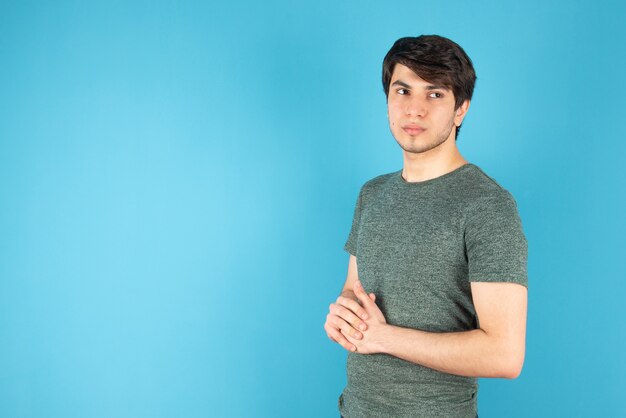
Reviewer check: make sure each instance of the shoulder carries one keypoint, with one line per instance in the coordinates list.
(481, 190)
(378, 183)
(485, 202)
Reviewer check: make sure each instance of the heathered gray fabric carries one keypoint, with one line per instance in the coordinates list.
(418, 247)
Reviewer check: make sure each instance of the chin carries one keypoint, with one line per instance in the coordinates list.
(416, 147)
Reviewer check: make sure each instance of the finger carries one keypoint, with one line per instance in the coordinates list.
(339, 338)
(353, 305)
(360, 293)
(348, 316)
(373, 297)
(338, 323)
(367, 301)
(350, 340)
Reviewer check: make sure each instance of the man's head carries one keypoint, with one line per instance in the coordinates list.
(435, 59)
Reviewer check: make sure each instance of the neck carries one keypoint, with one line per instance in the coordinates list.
(431, 164)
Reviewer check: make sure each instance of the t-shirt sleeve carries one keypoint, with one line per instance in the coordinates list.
(350, 245)
(497, 250)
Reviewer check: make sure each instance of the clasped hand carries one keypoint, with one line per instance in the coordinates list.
(357, 324)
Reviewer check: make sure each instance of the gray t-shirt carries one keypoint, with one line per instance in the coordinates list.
(418, 247)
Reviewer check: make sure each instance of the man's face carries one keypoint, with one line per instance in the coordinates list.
(421, 115)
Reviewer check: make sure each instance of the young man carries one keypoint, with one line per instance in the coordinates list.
(440, 248)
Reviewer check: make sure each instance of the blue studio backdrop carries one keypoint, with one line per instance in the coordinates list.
(178, 178)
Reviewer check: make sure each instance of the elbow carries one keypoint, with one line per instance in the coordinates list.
(512, 366)
(512, 373)
(510, 358)
(508, 353)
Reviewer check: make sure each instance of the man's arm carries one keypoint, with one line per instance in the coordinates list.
(346, 315)
(496, 349)
(353, 275)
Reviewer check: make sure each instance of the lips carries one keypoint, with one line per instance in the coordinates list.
(413, 129)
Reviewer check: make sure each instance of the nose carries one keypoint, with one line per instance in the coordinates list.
(416, 108)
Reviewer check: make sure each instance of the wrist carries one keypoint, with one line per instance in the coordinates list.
(385, 341)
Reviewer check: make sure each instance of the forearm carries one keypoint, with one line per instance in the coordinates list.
(467, 353)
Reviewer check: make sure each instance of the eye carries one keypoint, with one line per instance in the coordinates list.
(436, 95)
(402, 94)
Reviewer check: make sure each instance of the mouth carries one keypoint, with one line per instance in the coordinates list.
(413, 129)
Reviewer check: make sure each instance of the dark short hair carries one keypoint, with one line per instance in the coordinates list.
(437, 60)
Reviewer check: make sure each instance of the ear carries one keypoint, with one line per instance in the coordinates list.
(460, 113)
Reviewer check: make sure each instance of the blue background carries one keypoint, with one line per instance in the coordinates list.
(177, 181)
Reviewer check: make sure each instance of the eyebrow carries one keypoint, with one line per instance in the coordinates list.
(428, 87)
